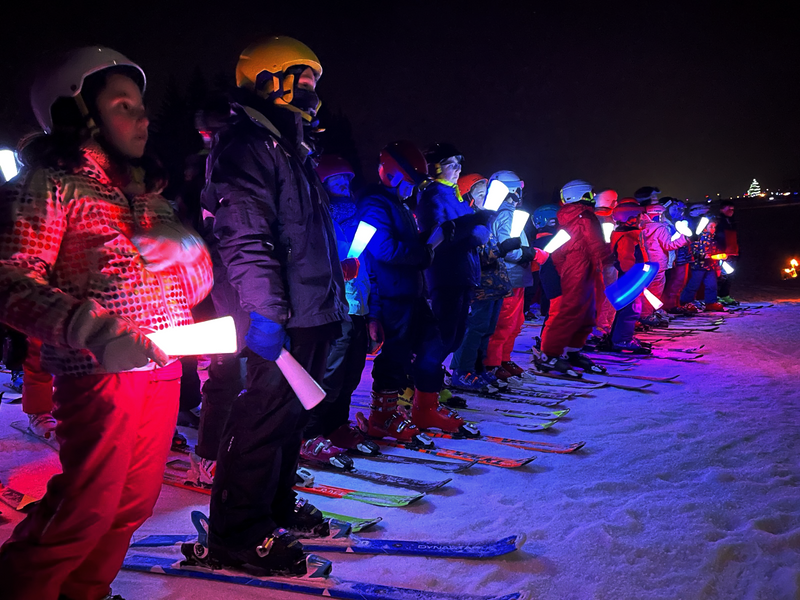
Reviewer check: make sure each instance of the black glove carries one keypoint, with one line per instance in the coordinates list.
(508, 245)
(527, 257)
(484, 216)
(449, 230)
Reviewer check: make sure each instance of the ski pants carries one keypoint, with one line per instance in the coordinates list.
(696, 277)
(225, 381)
(725, 280)
(572, 316)
(605, 310)
(411, 330)
(625, 322)
(346, 361)
(115, 433)
(656, 287)
(509, 324)
(676, 280)
(450, 306)
(257, 461)
(481, 323)
(37, 384)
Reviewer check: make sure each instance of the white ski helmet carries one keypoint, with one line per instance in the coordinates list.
(605, 199)
(577, 190)
(511, 180)
(65, 79)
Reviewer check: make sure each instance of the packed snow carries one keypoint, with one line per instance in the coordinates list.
(689, 491)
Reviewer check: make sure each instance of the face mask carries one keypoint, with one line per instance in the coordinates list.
(306, 100)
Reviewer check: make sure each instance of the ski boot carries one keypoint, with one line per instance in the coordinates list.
(581, 361)
(386, 419)
(470, 382)
(42, 425)
(447, 398)
(179, 442)
(714, 307)
(279, 554)
(513, 368)
(560, 365)
(491, 379)
(727, 301)
(690, 308)
(500, 373)
(632, 347)
(201, 471)
(322, 452)
(352, 439)
(427, 413)
(307, 521)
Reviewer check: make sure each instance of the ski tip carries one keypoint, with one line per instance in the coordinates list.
(520, 541)
(317, 567)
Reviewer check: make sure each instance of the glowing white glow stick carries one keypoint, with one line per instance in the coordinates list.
(8, 164)
(653, 299)
(726, 267)
(683, 228)
(437, 237)
(362, 237)
(701, 225)
(608, 229)
(559, 239)
(675, 236)
(307, 390)
(217, 336)
(495, 195)
(518, 222)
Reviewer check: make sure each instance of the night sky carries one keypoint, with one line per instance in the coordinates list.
(694, 100)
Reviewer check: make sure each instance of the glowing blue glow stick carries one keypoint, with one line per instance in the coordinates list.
(362, 237)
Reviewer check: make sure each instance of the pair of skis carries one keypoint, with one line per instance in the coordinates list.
(317, 581)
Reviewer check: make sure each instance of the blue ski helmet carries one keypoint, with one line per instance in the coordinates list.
(545, 216)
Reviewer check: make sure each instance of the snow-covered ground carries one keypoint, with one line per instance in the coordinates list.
(689, 492)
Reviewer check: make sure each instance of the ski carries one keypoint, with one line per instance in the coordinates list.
(552, 415)
(359, 545)
(700, 329)
(356, 524)
(23, 427)
(16, 500)
(329, 491)
(494, 461)
(631, 388)
(439, 465)
(330, 587)
(384, 500)
(385, 479)
(521, 444)
(642, 377)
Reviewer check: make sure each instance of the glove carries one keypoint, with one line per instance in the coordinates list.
(376, 336)
(117, 344)
(266, 337)
(540, 256)
(527, 257)
(483, 217)
(167, 244)
(449, 230)
(508, 245)
(350, 267)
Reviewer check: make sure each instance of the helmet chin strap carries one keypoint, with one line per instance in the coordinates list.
(94, 130)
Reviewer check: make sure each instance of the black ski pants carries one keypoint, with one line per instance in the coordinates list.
(252, 491)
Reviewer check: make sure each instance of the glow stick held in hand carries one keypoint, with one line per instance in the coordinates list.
(217, 336)
(701, 225)
(683, 228)
(726, 267)
(652, 299)
(437, 237)
(305, 388)
(8, 164)
(362, 237)
(495, 195)
(559, 239)
(608, 229)
(518, 222)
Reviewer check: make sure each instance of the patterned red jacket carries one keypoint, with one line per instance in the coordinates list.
(65, 239)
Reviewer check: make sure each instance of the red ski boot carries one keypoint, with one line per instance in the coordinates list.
(353, 439)
(513, 368)
(386, 419)
(427, 413)
(322, 452)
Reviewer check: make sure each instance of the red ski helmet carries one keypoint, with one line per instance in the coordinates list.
(333, 164)
(626, 209)
(467, 182)
(401, 161)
